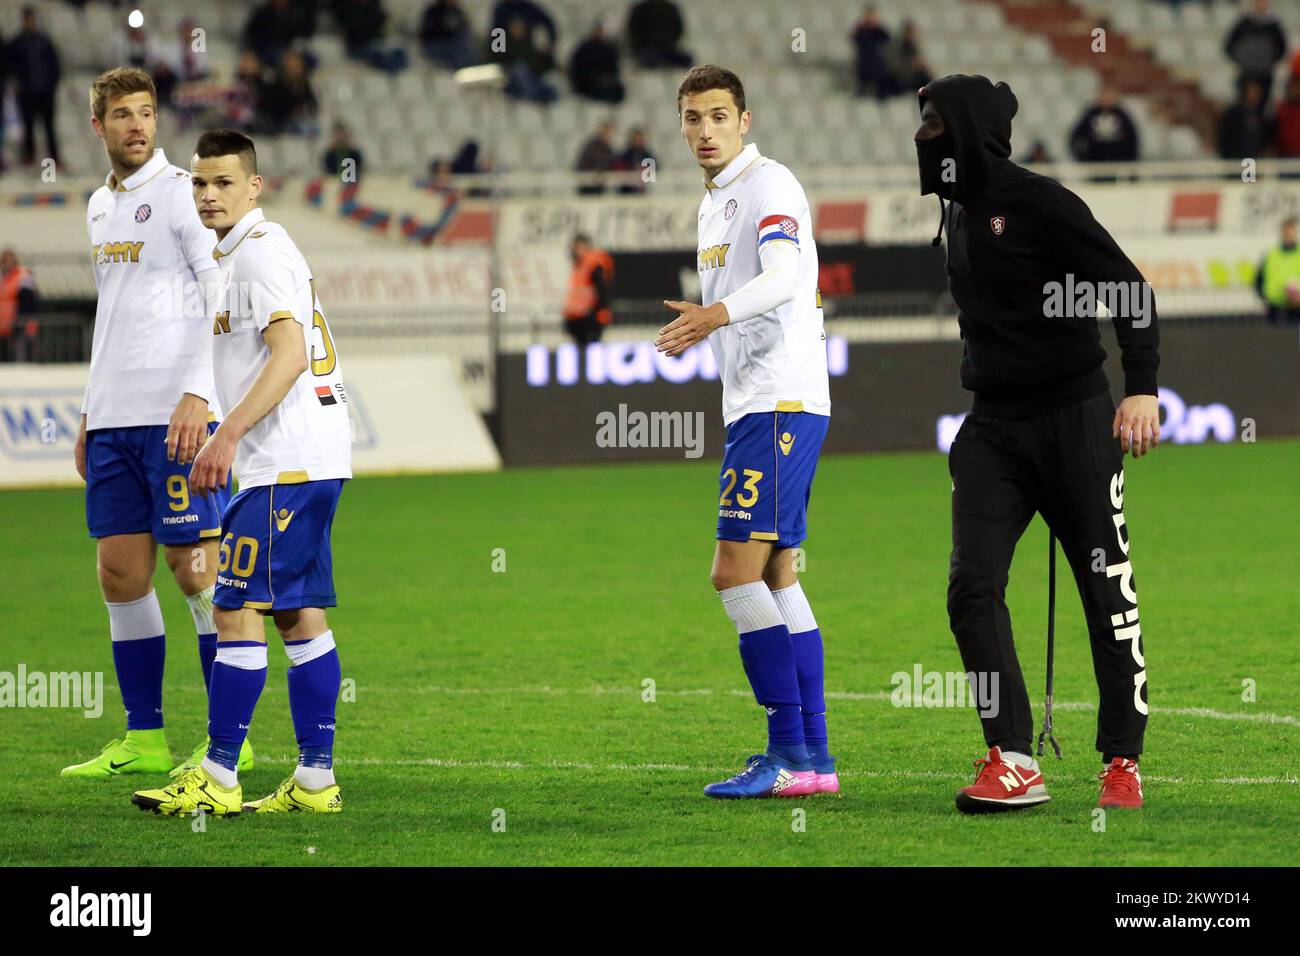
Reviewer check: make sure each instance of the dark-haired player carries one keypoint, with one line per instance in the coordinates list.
(763, 318)
(287, 435)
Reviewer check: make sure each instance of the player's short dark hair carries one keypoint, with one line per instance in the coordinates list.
(710, 77)
(228, 142)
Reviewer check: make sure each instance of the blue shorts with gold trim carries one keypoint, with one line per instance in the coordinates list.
(767, 474)
(275, 554)
(131, 488)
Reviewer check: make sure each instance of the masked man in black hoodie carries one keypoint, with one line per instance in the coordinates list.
(1027, 266)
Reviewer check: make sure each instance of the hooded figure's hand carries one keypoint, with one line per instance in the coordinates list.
(1137, 424)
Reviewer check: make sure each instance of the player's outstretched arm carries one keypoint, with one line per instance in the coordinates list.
(288, 360)
(772, 287)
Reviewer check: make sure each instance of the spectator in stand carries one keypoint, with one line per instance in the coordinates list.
(287, 104)
(1037, 153)
(274, 26)
(466, 163)
(445, 35)
(362, 23)
(245, 92)
(529, 52)
(1105, 133)
(1244, 131)
(136, 46)
(335, 162)
(907, 67)
(1286, 123)
(597, 156)
(188, 64)
(1277, 280)
(1257, 43)
(870, 43)
(593, 68)
(175, 65)
(633, 160)
(525, 62)
(587, 305)
(654, 32)
(34, 65)
(17, 310)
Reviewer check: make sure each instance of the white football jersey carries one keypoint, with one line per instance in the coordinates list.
(265, 279)
(775, 361)
(152, 256)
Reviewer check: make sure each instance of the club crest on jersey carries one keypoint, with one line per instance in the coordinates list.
(730, 210)
(998, 224)
(143, 212)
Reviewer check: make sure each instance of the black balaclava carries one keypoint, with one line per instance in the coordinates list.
(930, 156)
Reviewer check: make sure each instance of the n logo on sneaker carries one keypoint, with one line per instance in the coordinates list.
(1016, 778)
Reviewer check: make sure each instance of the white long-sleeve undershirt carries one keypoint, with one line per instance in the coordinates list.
(773, 287)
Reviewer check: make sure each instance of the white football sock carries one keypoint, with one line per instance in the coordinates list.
(751, 607)
(227, 778)
(135, 620)
(201, 610)
(795, 609)
(302, 652)
(314, 778)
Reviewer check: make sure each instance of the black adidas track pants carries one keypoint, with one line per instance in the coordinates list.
(1064, 464)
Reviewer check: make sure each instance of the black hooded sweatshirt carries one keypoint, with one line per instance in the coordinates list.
(1010, 233)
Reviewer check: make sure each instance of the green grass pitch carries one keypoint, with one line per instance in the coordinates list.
(516, 697)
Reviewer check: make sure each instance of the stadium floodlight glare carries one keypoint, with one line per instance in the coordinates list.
(484, 76)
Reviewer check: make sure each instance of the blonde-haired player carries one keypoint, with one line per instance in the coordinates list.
(148, 406)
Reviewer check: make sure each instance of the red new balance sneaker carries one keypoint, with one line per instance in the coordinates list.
(1121, 785)
(1002, 785)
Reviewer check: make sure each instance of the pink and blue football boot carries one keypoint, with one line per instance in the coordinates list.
(765, 776)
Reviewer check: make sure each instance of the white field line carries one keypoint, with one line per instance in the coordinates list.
(1209, 713)
(687, 768)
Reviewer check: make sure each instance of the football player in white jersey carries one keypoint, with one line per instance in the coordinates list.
(288, 437)
(148, 406)
(762, 317)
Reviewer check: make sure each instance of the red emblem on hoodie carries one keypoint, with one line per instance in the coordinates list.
(997, 224)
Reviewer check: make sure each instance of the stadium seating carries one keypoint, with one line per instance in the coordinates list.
(405, 121)
(1189, 37)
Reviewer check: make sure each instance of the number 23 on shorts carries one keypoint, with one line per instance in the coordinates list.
(747, 497)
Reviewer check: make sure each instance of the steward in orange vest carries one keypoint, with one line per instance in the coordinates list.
(17, 300)
(586, 307)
